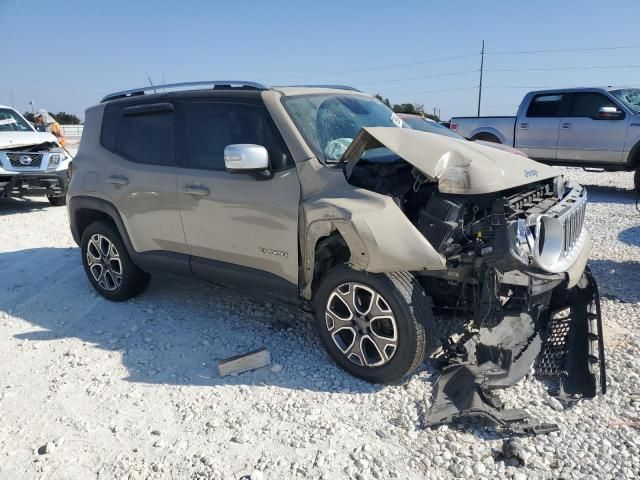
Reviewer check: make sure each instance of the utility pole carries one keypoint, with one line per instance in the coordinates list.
(13, 103)
(481, 69)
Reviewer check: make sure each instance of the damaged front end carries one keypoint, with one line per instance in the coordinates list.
(532, 303)
(511, 237)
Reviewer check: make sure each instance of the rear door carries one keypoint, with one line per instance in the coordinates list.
(537, 129)
(140, 178)
(241, 228)
(584, 137)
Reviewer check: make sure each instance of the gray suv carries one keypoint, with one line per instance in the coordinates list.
(320, 197)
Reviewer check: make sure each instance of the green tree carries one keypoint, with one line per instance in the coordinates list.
(383, 100)
(65, 118)
(411, 108)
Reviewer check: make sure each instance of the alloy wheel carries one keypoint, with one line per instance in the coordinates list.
(104, 262)
(361, 324)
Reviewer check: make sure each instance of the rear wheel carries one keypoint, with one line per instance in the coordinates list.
(374, 326)
(636, 181)
(108, 264)
(58, 201)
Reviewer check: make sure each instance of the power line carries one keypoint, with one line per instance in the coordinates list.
(562, 50)
(551, 69)
(547, 69)
(433, 91)
(406, 79)
(381, 67)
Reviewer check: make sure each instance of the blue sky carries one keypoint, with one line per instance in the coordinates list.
(66, 55)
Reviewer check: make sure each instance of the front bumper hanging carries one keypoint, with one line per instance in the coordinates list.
(568, 347)
(53, 184)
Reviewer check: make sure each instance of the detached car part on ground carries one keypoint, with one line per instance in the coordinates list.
(31, 163)
(370, 225)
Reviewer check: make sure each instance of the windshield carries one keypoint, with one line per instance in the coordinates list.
(418, 123)
(630, 97)
(330, 122)
(11, 121)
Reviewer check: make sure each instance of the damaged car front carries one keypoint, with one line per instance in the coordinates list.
(31, 163)
(512, 233)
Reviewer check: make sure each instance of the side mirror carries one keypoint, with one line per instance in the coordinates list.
(610, 113)
(245, 157)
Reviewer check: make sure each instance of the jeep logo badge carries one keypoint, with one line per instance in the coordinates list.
(25, 160)
(530, 173)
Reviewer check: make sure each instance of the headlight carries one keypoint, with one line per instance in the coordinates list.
(54, 161)
(519, 244)
(559, 186)
(454, 179)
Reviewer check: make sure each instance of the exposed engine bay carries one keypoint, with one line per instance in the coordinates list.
(516, 273)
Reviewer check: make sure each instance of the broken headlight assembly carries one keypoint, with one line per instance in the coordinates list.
(54, 161)
(537, 240)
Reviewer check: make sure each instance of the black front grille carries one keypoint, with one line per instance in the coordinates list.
(25, 160)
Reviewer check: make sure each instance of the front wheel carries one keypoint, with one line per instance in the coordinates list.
(375, 326)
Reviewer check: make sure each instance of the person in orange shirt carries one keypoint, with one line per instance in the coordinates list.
(43, 119)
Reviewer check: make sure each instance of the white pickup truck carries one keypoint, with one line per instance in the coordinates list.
(584, 127)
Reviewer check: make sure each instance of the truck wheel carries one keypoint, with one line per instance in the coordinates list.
(58, 201)
(375, 326)
(636, 181)
(108, 264)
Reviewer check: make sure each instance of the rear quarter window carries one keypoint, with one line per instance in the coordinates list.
(140, 134)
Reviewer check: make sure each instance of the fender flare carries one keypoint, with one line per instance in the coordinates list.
(79, 203)
(489, 131)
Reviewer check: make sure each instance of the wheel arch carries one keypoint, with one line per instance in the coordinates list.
(83, 211)
(487, 134)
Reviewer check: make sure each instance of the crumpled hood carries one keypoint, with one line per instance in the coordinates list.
(489, 169)
(23, 139)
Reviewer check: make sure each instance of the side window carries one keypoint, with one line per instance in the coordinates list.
(141, 133)
(588, 104)
(213, 126)
(545, 106)
(110, 123)
(147, 137)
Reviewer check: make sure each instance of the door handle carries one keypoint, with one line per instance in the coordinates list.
(524, 126)
(195, 190)
(118, 180)
(565, 126)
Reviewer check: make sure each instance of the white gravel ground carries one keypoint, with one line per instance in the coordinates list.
(130, 390)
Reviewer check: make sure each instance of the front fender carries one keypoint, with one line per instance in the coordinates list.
(379, 236)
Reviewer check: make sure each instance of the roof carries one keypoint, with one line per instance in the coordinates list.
(574, 89)
(226, 85)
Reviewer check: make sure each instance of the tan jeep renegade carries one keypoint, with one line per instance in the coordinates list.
(323, 198)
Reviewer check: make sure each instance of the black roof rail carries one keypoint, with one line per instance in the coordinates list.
(155, 88)
(335, 87)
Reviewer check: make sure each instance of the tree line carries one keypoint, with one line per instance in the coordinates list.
(412, 108)
(62, 118)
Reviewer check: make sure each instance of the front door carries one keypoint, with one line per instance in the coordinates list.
(537, 131)
(584, 137)
(241, 228)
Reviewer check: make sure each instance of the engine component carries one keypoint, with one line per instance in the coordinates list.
(441, 221)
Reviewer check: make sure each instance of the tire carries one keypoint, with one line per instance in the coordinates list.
(636, 181)
(401, 305)
(108, 265)
(58, 201)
